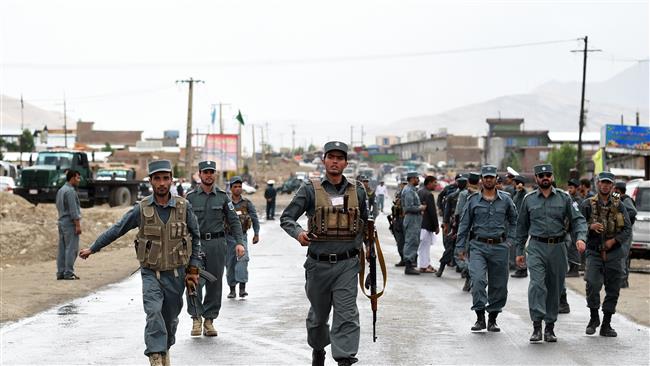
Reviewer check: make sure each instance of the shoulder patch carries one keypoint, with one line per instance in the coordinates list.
(575, 206)
(231, 207)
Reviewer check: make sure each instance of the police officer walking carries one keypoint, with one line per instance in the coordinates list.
(485, 224)
(463, 262)
(337, 211)
(237, 267)
(168, 262)
(396, 220)
(608, 236)
(542, 216)
(69, 223)
(450, 223)
(413, 209)
(620, 188)
(214, 210)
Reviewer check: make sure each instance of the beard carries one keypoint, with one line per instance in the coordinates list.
(545, 183)
(162, 191)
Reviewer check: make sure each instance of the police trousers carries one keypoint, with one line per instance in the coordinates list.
(412, 226)
(488, 268)
(611, 273)
(162, 297)
(68, 250)
(333, 285)
(236, 268)
(547, 265)
(208, 306)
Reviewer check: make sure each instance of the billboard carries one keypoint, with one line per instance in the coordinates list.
(625, 137)
(222, 149)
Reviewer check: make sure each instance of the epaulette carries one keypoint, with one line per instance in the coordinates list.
(504, 192)
(191, 191)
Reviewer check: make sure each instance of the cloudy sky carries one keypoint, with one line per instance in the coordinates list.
(320, 65)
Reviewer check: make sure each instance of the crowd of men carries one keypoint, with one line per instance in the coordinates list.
(491, 224)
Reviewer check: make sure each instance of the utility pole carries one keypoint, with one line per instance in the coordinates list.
(189, 153)
(351, 136)
(254, 152)
(22, 128)
(637, 118)
(65, 123)
(363, 135)
(581, 124)
(293, 139)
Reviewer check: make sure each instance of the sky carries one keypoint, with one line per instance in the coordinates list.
(321, 66)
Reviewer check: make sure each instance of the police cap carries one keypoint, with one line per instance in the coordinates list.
(207, 165)
(335, 145)
(488, 171)
(543, 168)
(620, 185)
(412, 174)
(461, 177)
(606, 176)
(236, 179)
(160, 166)
(519, 179)
(573, 182)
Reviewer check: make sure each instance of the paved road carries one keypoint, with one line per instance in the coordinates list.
(422, 320)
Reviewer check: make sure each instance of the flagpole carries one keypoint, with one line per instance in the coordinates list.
(239, 157)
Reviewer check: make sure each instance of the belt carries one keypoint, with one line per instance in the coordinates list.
(335, 257)
(491, 240)
(551, 240)
(210, 236)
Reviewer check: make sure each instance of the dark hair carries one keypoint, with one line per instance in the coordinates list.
(429, 179)
(585, 182)
(345, 155)
(71, 173)
(473, 180)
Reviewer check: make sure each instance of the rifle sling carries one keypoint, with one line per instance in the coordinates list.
(382, 265)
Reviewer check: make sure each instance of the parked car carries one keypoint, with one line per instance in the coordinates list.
(641, 229)
(7, 184)
(247, 188)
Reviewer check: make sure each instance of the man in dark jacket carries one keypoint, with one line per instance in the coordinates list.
(270, 194)
(430, 226)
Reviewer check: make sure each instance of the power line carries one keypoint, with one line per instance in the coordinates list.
(261, 62)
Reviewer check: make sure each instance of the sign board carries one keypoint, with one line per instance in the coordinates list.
(222, 149)
(625, 137)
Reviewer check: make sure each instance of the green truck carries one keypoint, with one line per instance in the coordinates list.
(40, 182)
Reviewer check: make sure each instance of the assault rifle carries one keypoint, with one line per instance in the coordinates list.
(371, 243)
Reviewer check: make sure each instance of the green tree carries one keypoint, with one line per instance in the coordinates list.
(26, 141)
(178, 171)
(563, 160)
(512, 160)
(311, 147)
(107, 147)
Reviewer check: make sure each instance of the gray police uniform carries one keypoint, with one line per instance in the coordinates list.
(237, 268)
(610, 270)
(412, 223)
(331, 268)
(484, 224)
(67, 205)
(543, 219)
(212, 209)
(162, 287)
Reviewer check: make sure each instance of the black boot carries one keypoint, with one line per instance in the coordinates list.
(573, 270)
(537, 332)
(242, 289)
(606, 329)
(468, 284)
(564, 305)
(480, 321)
(625, 284)
(409, 269)
(594, 322)
(347, 361)
(549, 335)
(232, 293)
(318, 357)
(520, 273)
(401, 263)
(492, 322)
(440, 270)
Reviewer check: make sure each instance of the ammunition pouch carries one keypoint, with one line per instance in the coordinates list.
(335, 223)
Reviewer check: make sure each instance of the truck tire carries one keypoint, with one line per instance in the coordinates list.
(120, 196)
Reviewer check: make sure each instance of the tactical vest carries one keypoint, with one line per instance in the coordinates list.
(335, 222)
(163, 246)
(244, 217)
(396, 210)
(609, 216)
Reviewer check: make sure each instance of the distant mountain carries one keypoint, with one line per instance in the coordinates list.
(553, 106)
(33, 116)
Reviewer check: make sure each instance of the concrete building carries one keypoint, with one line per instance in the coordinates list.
(521, 149)
(417, 135)
(385, 141)
(86, 135)
(452, 149)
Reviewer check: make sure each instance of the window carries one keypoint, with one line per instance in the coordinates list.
(510, 141)
(533, 141)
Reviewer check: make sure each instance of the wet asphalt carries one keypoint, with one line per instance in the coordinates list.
(422, 320)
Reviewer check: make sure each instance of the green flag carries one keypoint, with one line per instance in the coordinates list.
(240, 118)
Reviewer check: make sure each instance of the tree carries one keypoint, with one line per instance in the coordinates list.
(563, 160)
(513, 161)
(26, 141)
(107, 147)
(311, 147)
(178, 171)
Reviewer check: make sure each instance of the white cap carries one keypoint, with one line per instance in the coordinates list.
(270, 181)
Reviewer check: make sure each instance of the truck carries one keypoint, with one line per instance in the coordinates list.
(40, 182)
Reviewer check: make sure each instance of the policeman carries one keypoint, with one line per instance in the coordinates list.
(166, 226)
(609, 233)
(396, 220)
(371, 197)
(542, 216)
(213, 208)
(450, 223)
(336, 209)
(472, 187)
(69, 224)
(413, 209)
(237, 267)
(620, 188)
(485, 221)
(519, 192)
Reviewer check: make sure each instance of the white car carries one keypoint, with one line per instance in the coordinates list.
(640, 193)
(7, 184)
(247, 188)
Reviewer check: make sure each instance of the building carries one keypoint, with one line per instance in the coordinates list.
(385, 141)
(507, 144)
(96, 139)
(452, 149)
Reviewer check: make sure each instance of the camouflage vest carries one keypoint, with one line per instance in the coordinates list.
(244, 216)
(396, 210)
(335, 217)
(609, 216)
(163, 246)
